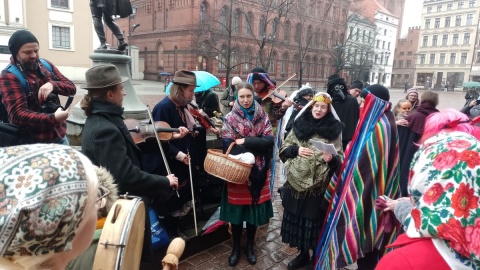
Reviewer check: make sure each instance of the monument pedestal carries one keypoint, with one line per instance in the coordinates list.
(133, 107)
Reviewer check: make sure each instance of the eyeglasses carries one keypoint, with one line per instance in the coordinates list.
(102, 197)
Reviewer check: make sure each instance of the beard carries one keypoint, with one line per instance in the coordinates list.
(31, 65)
(182, 101)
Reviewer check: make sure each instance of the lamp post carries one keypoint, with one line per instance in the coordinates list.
(131, 27)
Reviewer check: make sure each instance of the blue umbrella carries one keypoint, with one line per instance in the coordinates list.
(164, 73)
(205, 81)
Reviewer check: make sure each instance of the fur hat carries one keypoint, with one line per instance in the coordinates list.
(304, 90)
(102, 76)
(357, 84)
(236, 80)
(185, 77)
(379, 91)
(18, 39)
(105, 179)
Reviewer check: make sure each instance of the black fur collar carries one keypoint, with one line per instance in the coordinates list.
(305, 127)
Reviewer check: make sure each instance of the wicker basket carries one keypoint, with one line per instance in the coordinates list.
(229, 169)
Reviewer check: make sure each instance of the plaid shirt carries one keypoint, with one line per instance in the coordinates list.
(26, 111)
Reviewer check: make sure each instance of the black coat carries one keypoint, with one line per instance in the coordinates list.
(107, 142)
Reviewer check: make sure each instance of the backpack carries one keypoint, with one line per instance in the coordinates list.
(23, 81)
(11, 134)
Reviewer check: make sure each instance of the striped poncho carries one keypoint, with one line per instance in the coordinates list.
(370, 170)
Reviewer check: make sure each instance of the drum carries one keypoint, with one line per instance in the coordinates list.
(121, 241)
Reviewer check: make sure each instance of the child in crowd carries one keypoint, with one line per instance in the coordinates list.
(403, 108)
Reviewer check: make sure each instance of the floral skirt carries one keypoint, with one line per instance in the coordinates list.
(301, 233)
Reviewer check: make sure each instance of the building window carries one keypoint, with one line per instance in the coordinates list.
(262, 26)
(422, 58)
(378, 43)
(455, 39)
(427, 23)
(434, 40)
(471, 4)
(460, 5)
(432, 58)
(449, 6)
(60, 4)
(400, 64)
(409, 53)
(402, 53)
(363, 36)
(383, 44)
(357, 35)
(478, 57)
(442, 58)
(458, 20)
(203, 12)
(469, 19)
(466, 38)
(236, 22)
(61, 37)
(437, 22)
(452, 58)
(409, 63)
(429, 9)
(384, 32)
(425, 41)
(248, 24)
(439, 8)
(463, 58)
(447, 21)
(444, 40)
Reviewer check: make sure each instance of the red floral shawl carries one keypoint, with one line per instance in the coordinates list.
(235, 126)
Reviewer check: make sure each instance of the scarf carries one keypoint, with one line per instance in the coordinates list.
(444, 188)
(416, 121)
(305, 127)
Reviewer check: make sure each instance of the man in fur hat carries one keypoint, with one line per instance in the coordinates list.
(345, 105)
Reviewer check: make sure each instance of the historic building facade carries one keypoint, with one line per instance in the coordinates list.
(169, 37)
(446, 43)
(405, 59)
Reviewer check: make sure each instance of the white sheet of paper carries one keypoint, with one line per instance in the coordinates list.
(324, 147)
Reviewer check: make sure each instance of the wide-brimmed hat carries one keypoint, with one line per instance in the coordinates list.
(102, 76)
(185, 77)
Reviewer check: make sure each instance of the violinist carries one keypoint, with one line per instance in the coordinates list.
(178, 109)
(262, 85)
(107, 142)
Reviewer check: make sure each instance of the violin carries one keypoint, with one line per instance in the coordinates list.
(278, 91)
(201, 117)
(142, 132)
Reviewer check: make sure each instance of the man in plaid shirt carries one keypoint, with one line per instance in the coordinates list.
(24, 107)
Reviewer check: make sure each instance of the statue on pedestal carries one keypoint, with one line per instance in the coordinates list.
(107, 9)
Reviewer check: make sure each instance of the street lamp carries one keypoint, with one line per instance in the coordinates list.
(130, 18)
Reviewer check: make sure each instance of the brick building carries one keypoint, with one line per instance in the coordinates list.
(168, 36)
(406, 58)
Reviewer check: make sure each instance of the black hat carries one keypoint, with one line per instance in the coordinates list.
(305, 90)
(335, 79)
(357, 84)
(379, 91)
(18, 39)
(256, 70)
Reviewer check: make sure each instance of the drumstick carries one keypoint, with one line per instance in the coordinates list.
(161, 148)
(193, 198)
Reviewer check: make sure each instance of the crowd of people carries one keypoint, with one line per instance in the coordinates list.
(363, 175)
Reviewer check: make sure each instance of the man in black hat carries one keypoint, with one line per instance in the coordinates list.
(105, 9)
(178, 109)
(107, 142)
(29, 91)
(345, 105)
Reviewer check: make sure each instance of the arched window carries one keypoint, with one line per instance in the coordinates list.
(247, 59)
(284, 64)
(286, 32)
(298, 33)
(309, 35)
(262, 25)
(203, 12)
(223, 18)
(306, 65)
(248, 23)
(321, 67)
(236, 21)
(273, 61)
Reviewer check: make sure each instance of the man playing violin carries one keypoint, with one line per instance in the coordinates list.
(178, 109)
(107, 142)
(262, 84)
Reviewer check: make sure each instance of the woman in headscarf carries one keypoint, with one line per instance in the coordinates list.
(443, 227)
(302, 97)
(308, 174)
(248, 126)
(48, 208)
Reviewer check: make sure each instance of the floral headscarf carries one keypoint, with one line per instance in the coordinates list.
(43, 194)
(445, 189)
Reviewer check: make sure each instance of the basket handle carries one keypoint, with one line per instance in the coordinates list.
(230, 148)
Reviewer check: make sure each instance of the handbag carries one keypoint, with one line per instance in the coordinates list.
(11, 135)
(160, 237)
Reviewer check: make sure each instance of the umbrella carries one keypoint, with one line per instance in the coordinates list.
(166, 74)
(205, 81)
(471, 84)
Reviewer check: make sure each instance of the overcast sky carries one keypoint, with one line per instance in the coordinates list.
(412, 15)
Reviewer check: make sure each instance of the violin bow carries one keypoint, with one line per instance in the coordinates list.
(191, 185)
(278, 87)
(161, 148)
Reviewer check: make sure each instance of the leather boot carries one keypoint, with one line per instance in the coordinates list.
(236, 236)
(122, 46)
(250, 248)
(302, 259)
